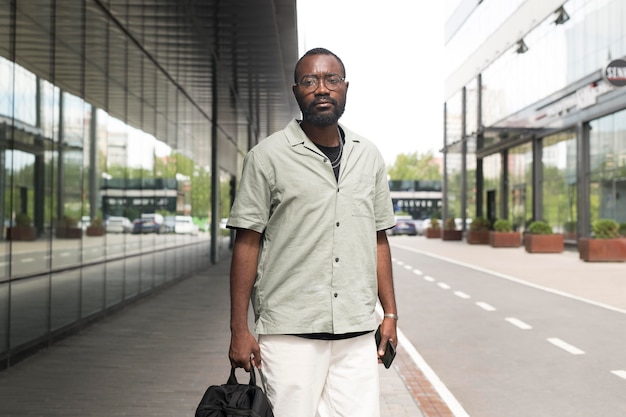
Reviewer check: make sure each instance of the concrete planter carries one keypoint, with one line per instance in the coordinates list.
(69, 232)
(452, 234)
(505, 239)
(543, 243)
(478, 237)
(602, 250)
(25, 233)
(95, 231)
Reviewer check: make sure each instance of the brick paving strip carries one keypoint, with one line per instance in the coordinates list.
(424, 393)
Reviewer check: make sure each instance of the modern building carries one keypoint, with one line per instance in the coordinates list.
(535, 112)
(123, 108)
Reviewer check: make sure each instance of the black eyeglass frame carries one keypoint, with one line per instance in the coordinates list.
(318, 80)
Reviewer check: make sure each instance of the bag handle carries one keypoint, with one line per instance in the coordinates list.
(232, 380)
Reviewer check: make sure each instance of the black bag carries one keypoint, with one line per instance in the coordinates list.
(234, 399)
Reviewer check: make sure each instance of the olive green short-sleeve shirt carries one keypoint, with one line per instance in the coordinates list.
(316, 271)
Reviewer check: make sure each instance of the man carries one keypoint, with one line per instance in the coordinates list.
(312, 253)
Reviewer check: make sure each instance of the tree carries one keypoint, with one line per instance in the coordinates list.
(415, 166)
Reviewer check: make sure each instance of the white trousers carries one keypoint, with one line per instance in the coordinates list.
(321, 378)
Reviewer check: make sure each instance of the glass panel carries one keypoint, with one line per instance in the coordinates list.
(4, 317)
(559, 182)
(608, 167)
(114, 285)
(29, 309)
(454, 184)
(492, 169)
(520, 185)
(92, 297)
(65, 295)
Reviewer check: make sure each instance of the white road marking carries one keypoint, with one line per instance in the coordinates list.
(519, 323)
(485, 306)
(429, 279)
(445, 394)
(418, 272)
(621, 373)
(461, 294)
(565, 346)
(510, 278)
(408, 267)
(400, 263)
(444, 285)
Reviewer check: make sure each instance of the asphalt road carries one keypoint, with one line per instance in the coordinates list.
(506, 349)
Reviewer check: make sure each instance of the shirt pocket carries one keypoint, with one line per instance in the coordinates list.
(363, 197)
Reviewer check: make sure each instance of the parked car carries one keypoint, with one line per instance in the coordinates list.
(405, 225)
(118, 224)
(185, 225)
(84, 222)
(148, 223)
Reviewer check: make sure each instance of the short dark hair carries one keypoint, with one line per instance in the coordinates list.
(317, 51)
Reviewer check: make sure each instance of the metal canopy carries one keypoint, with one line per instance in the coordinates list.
(153, 63)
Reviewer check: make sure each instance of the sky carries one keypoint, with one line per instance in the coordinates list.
(393, 53)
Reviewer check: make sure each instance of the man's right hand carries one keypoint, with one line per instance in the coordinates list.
(244, 350)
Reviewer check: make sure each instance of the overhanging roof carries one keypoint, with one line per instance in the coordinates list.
(150, 62)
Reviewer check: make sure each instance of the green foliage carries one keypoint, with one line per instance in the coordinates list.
(23, 219)
(68, 221)
(450, 224)
(622, 229)
(503, 225)
(415, 166)
(570, 226)
(434, 223)
(96, 222)
(479, 224)
(540, 228)
(605, 229)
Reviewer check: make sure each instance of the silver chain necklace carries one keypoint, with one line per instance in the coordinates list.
(337, 160)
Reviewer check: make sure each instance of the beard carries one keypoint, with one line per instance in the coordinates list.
(322, 119)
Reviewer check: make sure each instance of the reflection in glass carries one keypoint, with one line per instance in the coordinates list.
(608, 167)
(520, 185)
(559, 182)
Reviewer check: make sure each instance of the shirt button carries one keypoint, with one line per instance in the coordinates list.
(336, 259)
(337, 224)
(336, 295)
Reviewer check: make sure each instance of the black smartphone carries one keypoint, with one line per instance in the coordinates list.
(390, 350)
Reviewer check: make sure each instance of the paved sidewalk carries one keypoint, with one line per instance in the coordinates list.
(153, 358)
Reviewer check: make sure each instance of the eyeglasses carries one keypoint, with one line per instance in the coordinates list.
(311, 82)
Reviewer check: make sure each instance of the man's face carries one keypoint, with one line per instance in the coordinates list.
(320, 106)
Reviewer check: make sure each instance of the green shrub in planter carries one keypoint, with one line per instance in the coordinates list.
(503, 225)
(23, 220)
(450, 224)
(605, 229)
(434, 223)
(540, 228)
(622, 229)
(479, 224)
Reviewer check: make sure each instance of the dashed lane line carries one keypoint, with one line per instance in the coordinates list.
(418, 272)
(429, 278)
(461, 294)
(443, 285)
(485, 306)
(621, 373)
(565, 346)
(518, 323)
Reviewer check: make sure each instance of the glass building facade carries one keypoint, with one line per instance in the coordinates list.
(535, 129)
(117, 110)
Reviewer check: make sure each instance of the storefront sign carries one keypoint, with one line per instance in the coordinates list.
(615, 72)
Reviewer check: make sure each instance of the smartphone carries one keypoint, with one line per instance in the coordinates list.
(390, 350)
